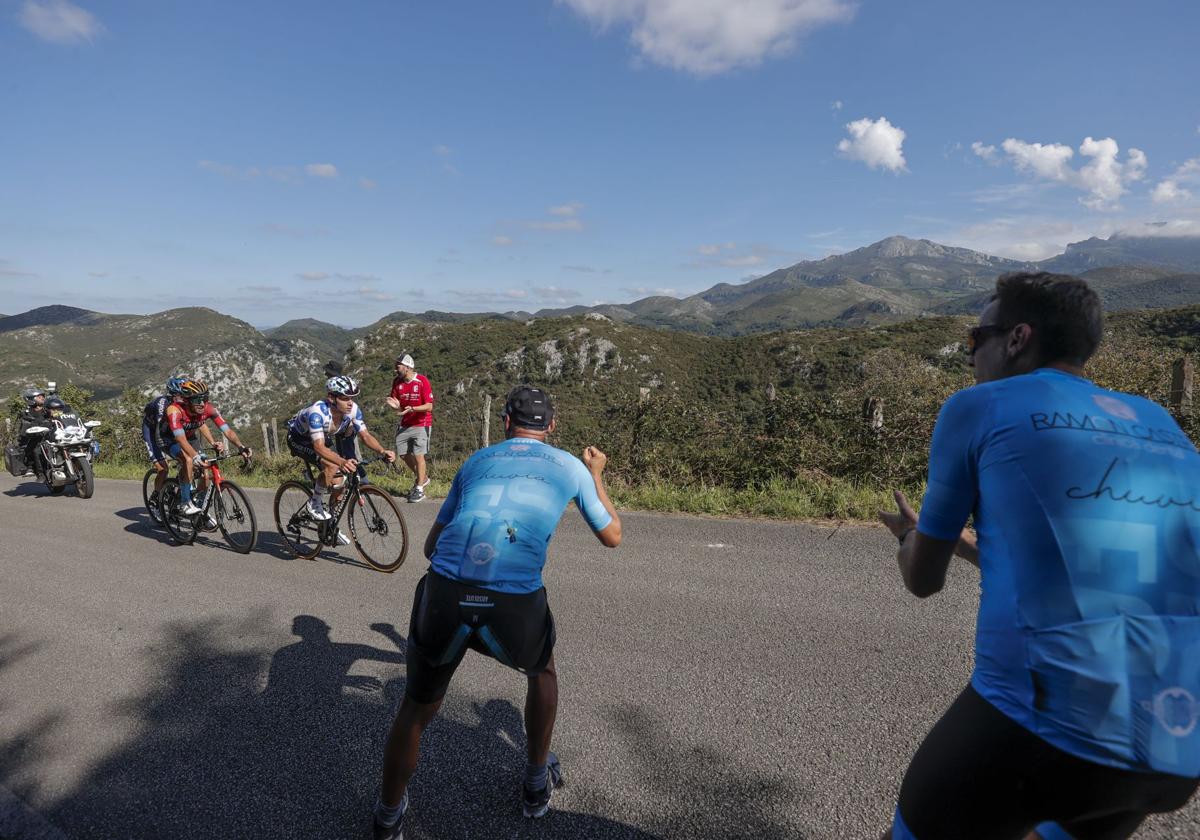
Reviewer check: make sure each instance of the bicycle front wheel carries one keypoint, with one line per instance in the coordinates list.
(147, 492)
(181, 528)
(301, 533)
(235, 518)
(378, 529)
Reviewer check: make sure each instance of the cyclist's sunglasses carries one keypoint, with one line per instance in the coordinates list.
(976, 335)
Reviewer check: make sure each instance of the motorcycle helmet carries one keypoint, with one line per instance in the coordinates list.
(31, 394)
(55, 406)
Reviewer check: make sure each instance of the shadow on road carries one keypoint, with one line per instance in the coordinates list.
(220, 754)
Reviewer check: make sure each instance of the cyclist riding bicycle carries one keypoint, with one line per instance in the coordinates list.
(182, 419)
(153, 415)
(320, 432)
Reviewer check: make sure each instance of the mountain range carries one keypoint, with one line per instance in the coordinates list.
(651, 341)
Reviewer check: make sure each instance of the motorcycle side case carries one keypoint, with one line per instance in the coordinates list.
(14, 459)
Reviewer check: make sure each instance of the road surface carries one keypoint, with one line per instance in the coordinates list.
(719, 678)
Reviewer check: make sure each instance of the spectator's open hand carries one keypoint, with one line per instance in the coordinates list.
(393, 403)
(904, 519)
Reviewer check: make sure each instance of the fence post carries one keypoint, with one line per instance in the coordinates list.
(487, 421)
(275, 435)
(771, 391)
(266, 440)
(873, 413)
(1181, 385)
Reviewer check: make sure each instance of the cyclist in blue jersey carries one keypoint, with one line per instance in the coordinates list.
(322, 435)
(1081, 715)
(484, 590)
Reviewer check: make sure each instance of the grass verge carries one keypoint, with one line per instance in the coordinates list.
(800, 498)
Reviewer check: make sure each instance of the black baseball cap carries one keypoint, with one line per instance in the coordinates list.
(529, 407)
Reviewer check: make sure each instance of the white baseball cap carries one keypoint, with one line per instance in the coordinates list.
(407, 361)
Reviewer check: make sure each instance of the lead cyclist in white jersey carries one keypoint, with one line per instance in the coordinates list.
(311, 435)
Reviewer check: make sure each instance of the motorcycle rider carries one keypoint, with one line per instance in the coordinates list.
(35, 414)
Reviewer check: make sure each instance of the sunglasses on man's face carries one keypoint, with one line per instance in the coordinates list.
(977, 335)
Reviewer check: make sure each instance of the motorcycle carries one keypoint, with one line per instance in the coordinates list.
(64, 455)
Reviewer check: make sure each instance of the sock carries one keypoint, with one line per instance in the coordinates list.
(185, 492)
(388, 816)
(318, 498)
(536, 777)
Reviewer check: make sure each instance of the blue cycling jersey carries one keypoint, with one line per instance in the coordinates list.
(1087, 508)
(503, 507)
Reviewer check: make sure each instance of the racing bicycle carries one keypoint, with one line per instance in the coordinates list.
(224, 502)
(377, 527)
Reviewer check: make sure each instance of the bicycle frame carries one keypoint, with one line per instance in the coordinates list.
(348, 491)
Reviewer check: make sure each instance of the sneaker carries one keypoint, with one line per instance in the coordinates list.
(317, 510)
(423, 484)
(210, 524)
(191, 508)
(537, 803)
(395, 831)
(416, 494)
(342, 539)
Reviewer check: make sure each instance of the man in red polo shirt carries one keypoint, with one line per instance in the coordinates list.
(412, 400)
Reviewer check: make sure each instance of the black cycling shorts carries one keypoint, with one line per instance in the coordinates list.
(982, 775)
(302, 448)
(449, 616)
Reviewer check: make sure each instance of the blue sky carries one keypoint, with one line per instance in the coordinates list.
(342, 161)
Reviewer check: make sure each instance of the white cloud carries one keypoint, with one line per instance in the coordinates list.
(502, 241)
(555, 294)
(988, 153)
(877, 143)
(371, 294)
(566, 224)
(707, 37)
(836, 105)
(570, 209)
(314, 276)
(99, 275)
(321, 170)
(712, 249)
(644, 291)
(367, 184)
(1103, 178)
(222, 169)
(1172, 189)
(59, 21)
(442, 151)
(742, 262)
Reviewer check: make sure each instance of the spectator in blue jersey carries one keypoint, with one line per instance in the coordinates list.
(484, 590)
(1081, 715)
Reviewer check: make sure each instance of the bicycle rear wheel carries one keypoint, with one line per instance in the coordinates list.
(147, 491)
(181, 528)
(235, 517)
(301, 533)
(378, 529)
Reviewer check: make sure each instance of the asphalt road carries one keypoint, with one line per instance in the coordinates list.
(719, 678)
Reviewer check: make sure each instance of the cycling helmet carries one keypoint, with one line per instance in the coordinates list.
(175, 386)
(31, 395)
(193, 390)
(342, 386)
(54, 406)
